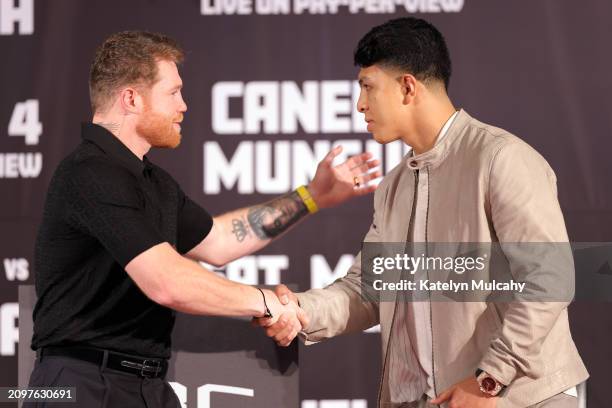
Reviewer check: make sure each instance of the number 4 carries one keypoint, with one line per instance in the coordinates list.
(24, 122)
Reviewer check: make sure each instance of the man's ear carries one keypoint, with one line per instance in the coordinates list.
(409, 88)
(131, 100)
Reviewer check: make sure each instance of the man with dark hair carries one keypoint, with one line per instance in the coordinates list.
(464, 181)
(115, 252)
(409, 45)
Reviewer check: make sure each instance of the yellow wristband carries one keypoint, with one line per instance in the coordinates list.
(307, 199)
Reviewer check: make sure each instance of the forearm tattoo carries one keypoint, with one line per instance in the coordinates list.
(271, 219)
(240, 228)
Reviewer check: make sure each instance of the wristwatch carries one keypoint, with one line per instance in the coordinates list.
(488, 384)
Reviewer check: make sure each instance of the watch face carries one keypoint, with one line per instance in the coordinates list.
(488, 384)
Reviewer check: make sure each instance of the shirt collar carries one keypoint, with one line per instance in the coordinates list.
(447, 125)
(443, 131)
(113, 147)
(447, 135)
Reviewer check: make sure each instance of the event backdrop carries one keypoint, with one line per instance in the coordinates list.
(270, 86)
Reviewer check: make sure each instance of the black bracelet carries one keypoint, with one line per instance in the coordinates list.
(267, 313)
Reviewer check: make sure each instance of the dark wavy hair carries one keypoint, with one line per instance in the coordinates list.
(410, 44)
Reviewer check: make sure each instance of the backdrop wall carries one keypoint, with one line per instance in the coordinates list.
(270, 86)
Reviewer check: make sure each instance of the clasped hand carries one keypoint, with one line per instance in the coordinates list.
(287, 320)
(330, 186)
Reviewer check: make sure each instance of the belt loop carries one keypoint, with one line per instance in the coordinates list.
(104, 361)
(40, 354)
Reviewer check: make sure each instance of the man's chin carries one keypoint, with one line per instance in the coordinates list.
(382, 139)
(170, 142)
(176, 141)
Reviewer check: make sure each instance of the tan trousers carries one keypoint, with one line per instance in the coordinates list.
(558, 401)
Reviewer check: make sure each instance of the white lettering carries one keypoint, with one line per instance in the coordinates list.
(272, 266)
(181, 392)
(337, 403)
(433, 6)
(246, 269)
(8, 165)
(272, 6)
(9, 330)
(299, 6)
(24, 165)
(22, 14)
(24, 122)
(333, 105)
(243, 270)
(220, 7)
(322, 275)
(454, 6)
(16, 268)
(266, 183)
(205, 390)
(261, 105)
(277, 107)
(300, 107)
(30, 164)
(252, 168)
(221, 94)
(217, 170)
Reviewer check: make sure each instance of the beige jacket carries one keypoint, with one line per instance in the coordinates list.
(485, 185)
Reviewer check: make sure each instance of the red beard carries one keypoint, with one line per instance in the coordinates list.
(158, 129)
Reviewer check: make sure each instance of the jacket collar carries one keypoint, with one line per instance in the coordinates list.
(113, 147)
(433, 157)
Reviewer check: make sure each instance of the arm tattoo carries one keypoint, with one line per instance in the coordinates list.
(271, 219)
(240, 229)
(111, 127)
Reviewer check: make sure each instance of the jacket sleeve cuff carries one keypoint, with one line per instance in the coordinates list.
(308, 308)
(498, 368)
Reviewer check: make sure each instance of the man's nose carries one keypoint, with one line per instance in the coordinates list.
(182, 106)
(361, 104)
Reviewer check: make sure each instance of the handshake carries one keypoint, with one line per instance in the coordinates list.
(288, 318)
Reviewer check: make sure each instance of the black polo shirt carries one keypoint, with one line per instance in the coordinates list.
(104, 207)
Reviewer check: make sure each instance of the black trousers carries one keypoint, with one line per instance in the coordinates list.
(98, 386)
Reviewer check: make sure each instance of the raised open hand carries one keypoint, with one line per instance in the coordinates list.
(333, 185)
